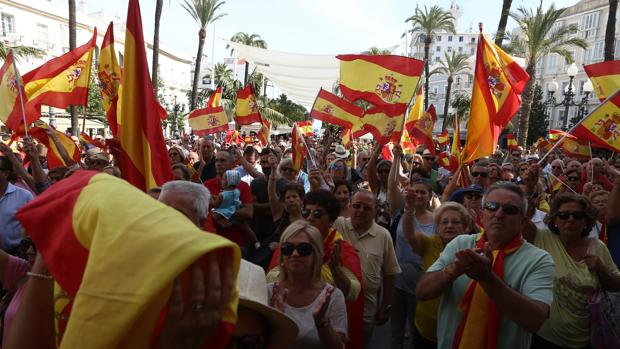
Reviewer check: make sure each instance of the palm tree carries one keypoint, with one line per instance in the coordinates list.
(375, 51)
(20, 51)
(204, 12)
(610, 30)
(72, 44)
(253, 40)
(452, 65)
(540, 38)
(426, 24)
(503, 20)
(154, 67)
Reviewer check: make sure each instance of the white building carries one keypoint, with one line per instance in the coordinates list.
(44, 24)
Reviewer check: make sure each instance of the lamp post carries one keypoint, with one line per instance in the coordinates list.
(568, 99)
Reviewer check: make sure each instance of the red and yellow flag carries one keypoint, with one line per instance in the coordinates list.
(11, 86)
(247, 107)
(40, 132)
(78, 237)
(422, 132)
(208, 120)
(60, 82)
(144, 160)
(455, 151)
(215, 99)
(605, 77)
(86, 139)
(443, 138)
(330, 108)
(109, 73)
(346, 136)
(263, 133)
(542, 144)
(298, 148)
(305, 127)
(406, 143)
(498, 83)
(602, 126)
(555, 135)
(385, 80)
(415, 112)
(576, 149)
(233, 137)
(511, 141)
(381, 125)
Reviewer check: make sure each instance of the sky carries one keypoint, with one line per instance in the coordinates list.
(305, 26)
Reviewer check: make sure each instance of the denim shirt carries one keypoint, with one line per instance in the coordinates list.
(10, 229)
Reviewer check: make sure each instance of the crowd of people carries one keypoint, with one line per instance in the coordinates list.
(516, 250)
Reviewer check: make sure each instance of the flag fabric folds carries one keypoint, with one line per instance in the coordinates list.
(86, 139)
(443, 138)
(305, 127)
(60, 82)
(346, 136)
(208, 120)
(602, 126)
(576, 149)
(91, 248)
(299, 150)
(109, 74)
(144, 160)
(388, 81)
(332, 109)
(263, 132)
(511, 142)
(215, 99)
(247, 107)
(381, 125)
(415, 112)
(40, 132)
(498, 83)
(11, 86)
(422, 132)
(605, 77)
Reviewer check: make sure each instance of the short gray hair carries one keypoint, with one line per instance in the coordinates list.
(509, 186)
(200, 195)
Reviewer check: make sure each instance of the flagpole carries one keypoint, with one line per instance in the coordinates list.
(303, 139)
(563, 184)
(591, 166)
(21, 98)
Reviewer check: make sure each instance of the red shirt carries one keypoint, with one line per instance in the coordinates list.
(245, 195)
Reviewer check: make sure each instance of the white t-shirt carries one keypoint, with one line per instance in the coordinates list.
(308, 336)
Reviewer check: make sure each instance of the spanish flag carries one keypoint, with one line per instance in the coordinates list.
(298, 147)
(382, 126)
(406, 143)
(144, 160)
(40, 132)
(576, 149)
(11, 86)
(60, 82)
(542, 144)
(263, 133)
(511, 141)
(215, 99)
(86, 139)
(555, 135)
(247, 107)
(443, 138)
(330, 108)
(346, 136)
(456, 151)
(109, 73)
(498, 83)
(385, 80)
(306, 128)
(208, 120)
(117, 258)
(233, 137)
(602, 126)
(422, 132)
(605, 77)
(415, 112)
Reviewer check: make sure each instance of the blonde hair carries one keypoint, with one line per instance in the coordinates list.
(316, 240)
(451, 206)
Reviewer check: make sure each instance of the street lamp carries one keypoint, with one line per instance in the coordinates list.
(568, 99)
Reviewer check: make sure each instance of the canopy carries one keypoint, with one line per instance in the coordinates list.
(299, 76)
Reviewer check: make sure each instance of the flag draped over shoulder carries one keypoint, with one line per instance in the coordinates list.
(332, 109)
(498, 83)
(11, 86)
(388, 81)
(605, 77)
(117, 258)
(247, 107)
(144, 159)
(109, 74)
(602, 126)
(60, 82)
(40, 132)
(298, 148)
(422, 132)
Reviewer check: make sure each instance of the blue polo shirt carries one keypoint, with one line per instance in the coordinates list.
(10, 229)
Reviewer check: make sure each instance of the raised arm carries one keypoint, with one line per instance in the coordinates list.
(247, 166)
(18, 166)
(277, 209)
(394, 197)
(38, 175)
(373, 180)
(61, 148)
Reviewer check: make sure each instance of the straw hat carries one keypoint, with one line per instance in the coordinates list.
(252, 286)
(340, 152)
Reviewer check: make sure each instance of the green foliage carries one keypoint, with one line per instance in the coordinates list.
(290, 110)
(20, 51)
(461, 103)
(539, 124)
(203, 11)
(253, 40)
(375, 51)
(430, 21)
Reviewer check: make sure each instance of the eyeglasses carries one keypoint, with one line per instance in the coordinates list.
(337, 167)
(481, 174)
(303, 248)
(317, 214)
(577, 215)
(508, 209)
(560, 167)
(287, 169)
(572, 178)
(359, 205)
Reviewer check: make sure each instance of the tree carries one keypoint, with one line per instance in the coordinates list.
(155, 66)
(203, 12)
(375, 51)
(610, 30)
(540, 38)
(289, 110)
(503, 20)
(426, 24)
(20, 51)
(452, 65)
(461, 103)
(538, 124)
(72, 44)
(253, 40)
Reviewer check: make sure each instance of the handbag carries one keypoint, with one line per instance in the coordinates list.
(604, 322)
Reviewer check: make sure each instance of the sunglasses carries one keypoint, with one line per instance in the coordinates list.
(577, 215)
(560, 167)
(317, 214)
(358, 206)
(508, 209)
(481, 174)
(523, 169)
(303, 248)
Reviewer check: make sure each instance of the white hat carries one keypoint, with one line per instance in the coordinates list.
(340, 152)
(252, 286)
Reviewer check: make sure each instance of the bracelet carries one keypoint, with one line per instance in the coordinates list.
(40, 276)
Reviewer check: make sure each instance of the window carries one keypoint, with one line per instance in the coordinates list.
(438, 37)
(438, 49)
(471, 51)
(599, 48)
(460, 49)
(449, 49)
(552, 61)
(589, 25)
(450, 38)
(8, 24)
(41, 35)
(437, 59)
(473, 40)
(460, 39)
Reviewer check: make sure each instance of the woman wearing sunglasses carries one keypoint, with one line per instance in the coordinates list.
(582, 265)
(317, 307)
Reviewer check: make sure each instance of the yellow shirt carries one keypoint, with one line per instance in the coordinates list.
(426, 311)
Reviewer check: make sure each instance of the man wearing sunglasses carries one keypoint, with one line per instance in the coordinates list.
(377, 257)
(479, 174)
(496, 287)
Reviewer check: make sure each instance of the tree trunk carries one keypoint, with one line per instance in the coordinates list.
(245, 76)
(75, 123)
(427, 48)
(202, 34)
(503, 20)
(445, 107)
(610, 31)
(155, 62)
(526, 103)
